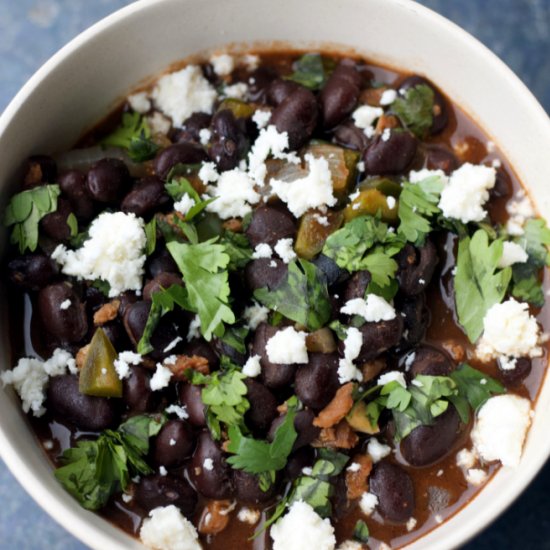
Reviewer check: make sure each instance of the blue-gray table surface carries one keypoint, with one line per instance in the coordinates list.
(32, 30)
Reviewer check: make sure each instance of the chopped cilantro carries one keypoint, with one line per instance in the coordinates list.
(309, 71)
(415, 109)
(361, 531)
(151, 236)
(235, 337)
(177, 188)
(238, 247)
(72, 222)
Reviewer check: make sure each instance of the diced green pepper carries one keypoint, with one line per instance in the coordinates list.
(312, 234)
(387, 186)
(370, 202)
(239, 108)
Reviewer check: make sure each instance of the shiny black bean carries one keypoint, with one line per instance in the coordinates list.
(156, 491)
(297, 461)
(395, 491)
(260, 273)
(357, 285)
(228, 143)
(247, 488)
(32, 271)
(416, 317)
(161, 281)
(258, 82)
(514, 377)
(279, 90)
(108, 180)
(416, 267)
(173, 444)
(68, 324)
(114, 330)
(339, 96)
(428, 444)
(269, 224)
(84, 411)
(135, 319)
(190, 398)
(190, 130)
(148, 195)
(179, 153)
(126, 300)
(390, 156)
(438, 157)
(339, 499)
(332, 272)
(73, 185)
(380, 337)
(39, 170)
(223, 348)
(350, 136)
(303, 424)
(273, 375)
(317, 382)
(263, 406)
(430, 361)
(137, 394)
(296, 115)
(55, 223)
(440, 110)
(212, 480)
(161, 261)
(503, 185)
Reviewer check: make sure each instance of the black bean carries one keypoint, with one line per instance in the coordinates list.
(339, 499)
(380, 337)
(214, 479)
(303, 424)
(430, 361)
(514, 377)
(279, 90)
(84, 411)
(503, 185)
(247, 488)
(395, 491)
(126, 300)
(190, 398)
(332, 272)
(161, 281)
(390, 156)
(440, 110)
(156, 491)
(438, 157)
(357, 285)
(179, 153)
(39, 170)
(137, 392)
(55, 223)
(66, 325)
(317, 382)
(350, 136)
(297, 461)
(161, 261)
(147, 196)
(73, 185)
(108, 180)
(339, 96)
(258, 82)
(296, 115)
(428, 444)
(416, 317)
(135, 319)
(265, 272)
(269, 224)
(263, 406)
(190, 130)
(273, 375)
(114, 330)
(173, 444)
(228, 143)
(32, 271)
(416, 267)
(223, 348)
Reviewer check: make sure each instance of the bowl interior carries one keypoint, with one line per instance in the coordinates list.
(80, 84)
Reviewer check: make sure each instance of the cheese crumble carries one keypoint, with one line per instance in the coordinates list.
(347, 371)
(373, 309)
(167, 529)
(287, 347)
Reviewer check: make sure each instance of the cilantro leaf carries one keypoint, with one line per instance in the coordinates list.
(238, 247)
(309, 71)
(415, 109)
(94, 470)
(235, 337)
(133, 135)
(478, 282)
(302, 296)
(535, 240)
(361, 531)
(24, 212)
(417, 204)
(204, 269)
(178, 188)
(151, 236)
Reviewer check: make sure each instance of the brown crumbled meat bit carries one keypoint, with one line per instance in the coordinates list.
(456, 351)
(234, 224)
(283, 408)
(340, 436)
(215, 516)
(106, 313)
(81, 355)
(337, 409)
(33, 177)
(373, 368)
(186, 362)
(357, 476)
(386, 121)
(372, 96)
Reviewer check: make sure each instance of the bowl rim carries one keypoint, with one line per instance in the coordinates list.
(74, 521)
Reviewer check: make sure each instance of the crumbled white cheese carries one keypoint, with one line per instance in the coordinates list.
(307, 470)
(194, 328)
(392, 376)
(158, 123)
(386, 134)
(351, 545)
(321, 220)
(182, 93)
(127, 498)
(364, 117)
(139, 103)
(250, 61)
(208, 464)
(208, 172)
(409, 360)
(161, 378)
(167, 529)
(65, 304)
(261, 118)
(373, 309)
(48, 444)
(311, 191)
(184, 204)
(354, 467)
(284, 249)
(500, 428)
(509, 331)
(466, 192)
(114, 252)
(347, 371)
(520, 210)
(252, 367)
(512, 253)
(465, 458)
(368, 503)
(262, 250)
(255, 314)
(223, 64)
(438, 518)
(419, 175)
(204, 136)
(391, 202)
(236, 91)
(30, 378)
(247, 515)
(234, 194)
(476, 476)
(505, 363)
(361, 166)
(172, 344)
(376, 450)
(287, 347)
(388, 97)
(178, 410)
(411, 524)
(172, 442)
(163, 471)
(301, 528)
(124, 360)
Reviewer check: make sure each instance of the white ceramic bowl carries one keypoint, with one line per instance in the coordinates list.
(80, 83)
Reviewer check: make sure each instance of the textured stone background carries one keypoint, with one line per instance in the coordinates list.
(32, 30)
